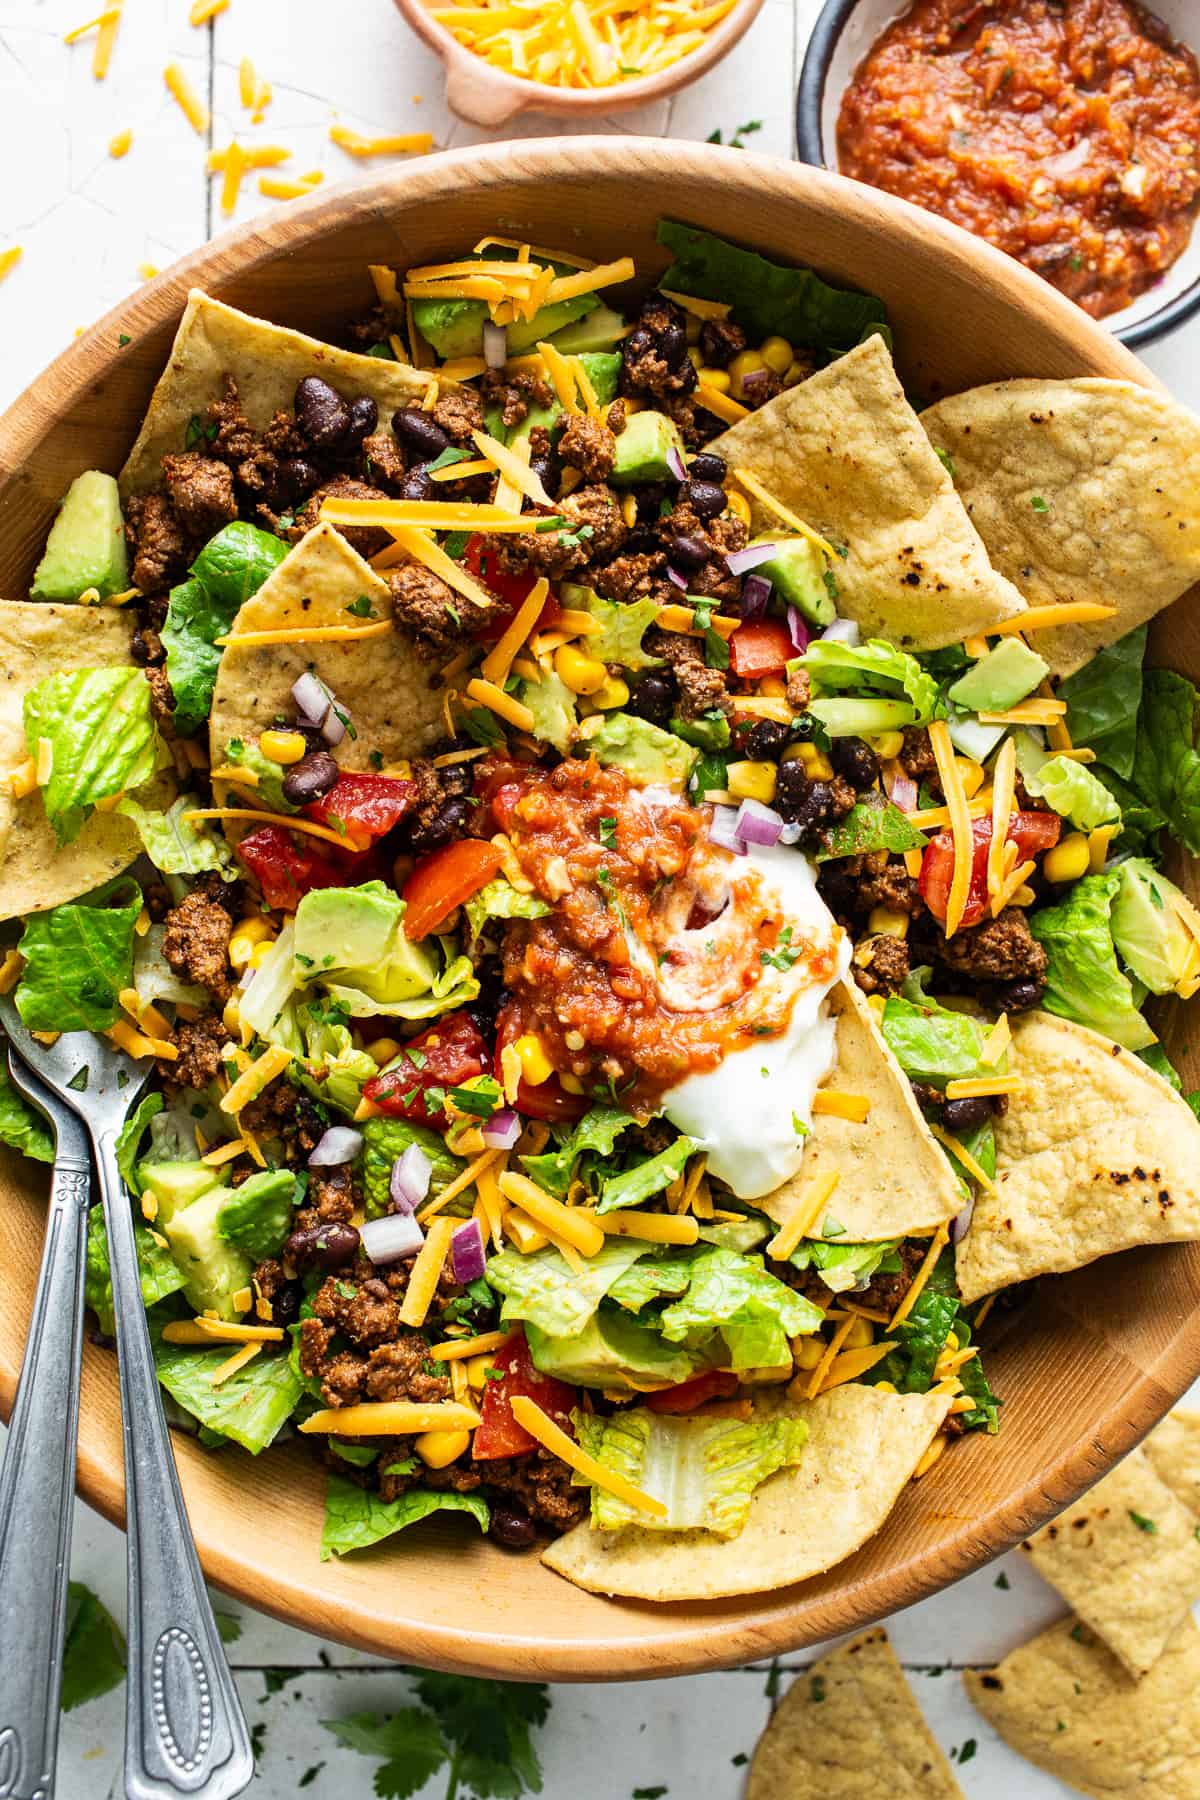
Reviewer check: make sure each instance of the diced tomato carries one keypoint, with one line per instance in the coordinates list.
(367, 805)
(549, 1099)
(284, 869)
(443, 880)
(510, 590)
(1031, 832)
(760, 647)
(450, 1052)
(498, 1433)
(688, 1395)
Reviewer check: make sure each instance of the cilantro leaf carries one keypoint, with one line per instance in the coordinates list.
(409, 1742)
(94, 1655)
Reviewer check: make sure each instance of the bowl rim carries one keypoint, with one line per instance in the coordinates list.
(753, 1627)
(832, 20)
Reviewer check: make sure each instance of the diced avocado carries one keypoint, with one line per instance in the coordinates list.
(355, 936)
(1147, 928)
(86, 546)
(797, 574)
(647, 754)
(523, 334)
(175, 1185)
(643, 448)
(999, 679)
(599, 331)
(604, 373)
(215, 1271)
(455, 327)
(612, 1351)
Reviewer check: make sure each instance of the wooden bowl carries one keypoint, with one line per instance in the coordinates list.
(487, 96)
(1100, 1355)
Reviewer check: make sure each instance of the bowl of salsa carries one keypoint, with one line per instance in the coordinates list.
(1064, 132)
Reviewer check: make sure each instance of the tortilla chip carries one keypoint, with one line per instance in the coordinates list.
(893, 1178)
(1081, 490)
(1095, 1153)
(382, 683)
(863, 1445)
(849, 1728)
(39, 639)
(1174, 1452)
(266, 361)
(1065, 1702)
(1125, 1557)
(846, 451)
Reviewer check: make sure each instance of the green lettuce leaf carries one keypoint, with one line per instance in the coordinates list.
(766, 297)
(258, 1215)
(911, 1366)
(644, 1179)
(1141, 823)
(231, 567)
(1156, 1058)
(501, 900)
(843, 1266)
(932, 1044)
(659, 1275)
(705, 1471)
(78, 957)
(597, 1131)
(886, 687)
(1103, 699)
(386, 1139)
(93, 1650)
(1073, 791)
(21, 1128)
(544, 1289)
(356, 1517)
(871, 824)
(130, 1136)
(332, 1069)
(101, 730)
(1166, 768)
(1083, 981)
(756, 1314)
(175, 845)
(251, 1406)
(157, 1269)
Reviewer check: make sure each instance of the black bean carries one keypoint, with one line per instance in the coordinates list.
(364, 417)
(449, 822)
(512, 1527)
(297, 478)
(311, 778)
(548, 472)
(672, 345)
(966, 1115)
(706, 497)
(708, 466)
(312, 735)
(764, 741)
(416, 429)
(639, 343)
(285, 1307)
(687, 551)
(321, 1247)
(1019, 996)
(854, 758)
(652, 698)
(321, 413)
(800, 800)
(649, 503)
(418, 483)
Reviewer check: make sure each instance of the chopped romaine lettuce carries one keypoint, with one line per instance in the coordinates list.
(622, 627)
(663, 1274)
(932, 1044)
(102, 740)
(258, 1215)
(160, 1275)
(1072, 790)
(1103, 699)
(597, 1131)
(386, 1139)
(20, 1127)
(232, 566)
(872, 823)
(1166, 767)
(644, 1179)
(755, 1313)
(356, 1517)
(350, 942)
(251, 1406)
(331, 1069)
(155, 979)
(843, 1266)
(78, 957)
(544, 1289)
(501, 900)
(888, 687)
(1156, 1058)
(553, 707)
(1083, 981)
(177, 845)
(130, 1136)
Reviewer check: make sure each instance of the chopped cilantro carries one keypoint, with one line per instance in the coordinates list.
(123, 338)
(782, 957)
(361, 608)
(1143, 1523)
(967, 1752)
(1039, 505)
(608, 833)
(831, 586)
(376, 759)
(1002, 1581)
(455, 543)
(78, 1082)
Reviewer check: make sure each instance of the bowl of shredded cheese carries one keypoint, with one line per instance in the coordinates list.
(573, 57)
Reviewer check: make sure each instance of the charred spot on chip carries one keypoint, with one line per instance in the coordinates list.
(991, 1681)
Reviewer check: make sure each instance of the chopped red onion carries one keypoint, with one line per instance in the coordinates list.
(800, 634)
(409, 1181)
(676, 463)
(679, 580)
(904, 793)
(466, 1252)
(392, 1238)
(752, 382)
(758, 824)
(722, 830)
(756, 591)
(495, 345)
(791, 833)
(501, 1131)
(340, 1144)
(961, 1224)
(842, 631)
(312, 699)
(333, 725)
(742, 561)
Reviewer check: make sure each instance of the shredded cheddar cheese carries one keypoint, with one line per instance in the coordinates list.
(816, 1380)
(754, 486)
(423, 1280)
(305, 634)
(186, 97)
(9, 259)
(204, 10)
(937, 1244)
(540, 1426)
(854, 1107)
(969, 1086)
(119, 143)
(204, 1330)
(392, 1418)
(462, 1181)
(974, 1169)
(1003, 793)
(720, 405)
(800, 1222)
(650, 1227)
(572, 1224)
(502, 704)
(1048, 618)
(996, 1043)
(251, 1082)
(10, 970)
(233, 1363)
(853, 1363)
(498, 662)
(482, 1345)
(683, 619)
(514, 470)
(252, 815)
(414, 143)
(960, 822)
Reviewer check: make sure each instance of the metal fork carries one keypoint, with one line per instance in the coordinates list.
(185, 1733)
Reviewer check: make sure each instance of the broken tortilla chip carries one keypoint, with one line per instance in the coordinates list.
(1065, 1702)
(849, 1728)
(265, 362)
(845, 451)
(1095, 1153)
(1174, 1451)
(381, 683)
(1081, 490)
(863, 1445)
(893, 1178)
(1125, 1559)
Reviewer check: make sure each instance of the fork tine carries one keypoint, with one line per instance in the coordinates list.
(94, 1078)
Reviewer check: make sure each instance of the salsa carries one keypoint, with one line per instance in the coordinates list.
(1067, 134)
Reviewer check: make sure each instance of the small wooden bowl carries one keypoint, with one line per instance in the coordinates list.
(483, 95)
(1098, 1357)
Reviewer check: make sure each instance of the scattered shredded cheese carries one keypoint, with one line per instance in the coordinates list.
(803, 1217)
(462, 1181)
(514, 470)
(650, 1227)
(10, 970)
(305, 634)
(937, 1244)
(416, 143)
(720, 405)
(423, 1280)
(540, 1426)
(573, 1225)
(118, 145)
(683, 619)
(960, 822)
(497, 663)
(222, 1153)
(185, 95)
(996, 1043)
(1003, 793)
(853, 1363)
(754, 486)
(273, 1061)
(204, 10)
(483, 1345)
(817, 1379)
(137, 1044)
(204, 1330)
(233, 1363)
(502, 704)
(392, 1418)
(1047, 618)
(974, 1169)
(9, 259)
(854, 1107)
(969, 1086)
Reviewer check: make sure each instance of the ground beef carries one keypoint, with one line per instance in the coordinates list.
(443, 810)
(720, 341)
(383, 461)
(637, 575)
(854, 885)
(146, 648)
(201, 492)
(539, 1483)
(798, 691)
(440, 620)
(917, 758)
(196, 938)
(360, 1306)
(654, 356)
(160, 549)
(199, 1042)
(1000, 949)
(701, 689)
(401, 1371)
(614, 416)
(881, 964)
(554, 554)
(459, 414)
(696, 425)
(713, 577)
(513, 394)
(589, 446)
(885, 1292)
(368, 540)
(597, 509)
(273, 1112)
(162, 701)
(759, 386)
(228, 433)
(329, 1200)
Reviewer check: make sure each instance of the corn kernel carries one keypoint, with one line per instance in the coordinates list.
(887, 744)
(614, 693)
(739, 506)
(629, 510)
(795, 372)
(383, 1050)
(582, 674)
(231, 1017)
(807, 1352)
(771, 688)
(859, 1335)
(885, 1387)
(695, 357)
(717, 379)
(282, 746)
(571, 1082)
(752, 781)
(776, 352)
(746, 362)
(249, 933)
(260, 953)
(536, 1066)
(477, 1368)
(877, 1004)
(815, 761)
(883, 922)
(972, 775)
(437, 1449)
(1068, 860)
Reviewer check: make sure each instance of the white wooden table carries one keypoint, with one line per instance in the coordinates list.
(87, 223)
